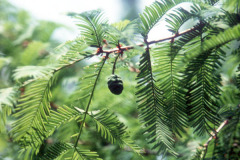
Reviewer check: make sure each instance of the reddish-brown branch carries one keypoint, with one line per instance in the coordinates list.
(100, 51)
(150, 42)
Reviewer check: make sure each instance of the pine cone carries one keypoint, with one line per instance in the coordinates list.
(115, 84)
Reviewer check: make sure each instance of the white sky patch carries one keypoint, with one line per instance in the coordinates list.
(55, 10)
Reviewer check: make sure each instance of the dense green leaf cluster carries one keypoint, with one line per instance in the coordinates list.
(181, 85)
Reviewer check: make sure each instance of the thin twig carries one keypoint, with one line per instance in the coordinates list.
(120, 52)
(214, 135)
(116, 50)
(56, 70)
(88, 105)
(114, 65)
(151, 42)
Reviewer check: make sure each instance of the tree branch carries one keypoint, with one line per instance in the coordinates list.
(151, 42)
(116, 50)
(214, 135)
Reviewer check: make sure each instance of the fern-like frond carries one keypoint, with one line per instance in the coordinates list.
(56, 151)
(7, 102)
(180, 42)
(56, 119)
(152, 14)
(89, 99)
(32, 110)
(229, 97)
(32, 126)
(111, 129)
(92, 27)
(114, 131)
(78, 46)
(33, 72)
(170, 81)
(4, 113)
(81, 154)
(60, 151)
(203, 85)
(119, 32)
(232, 19)
(26, 153)
(33, 106)
(204, 89)
(216, 41)
(166, 62)
(69, 53)
(7, 97)
(152, 108)
(75, 51)
(177, 18)
(86, 83)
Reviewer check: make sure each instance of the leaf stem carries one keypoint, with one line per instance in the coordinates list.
(89, 102)
(58, 69)
(114, 65)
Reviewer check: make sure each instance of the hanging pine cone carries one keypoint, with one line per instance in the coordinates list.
(115, 84)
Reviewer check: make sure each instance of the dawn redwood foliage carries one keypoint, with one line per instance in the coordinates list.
(179, 83)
